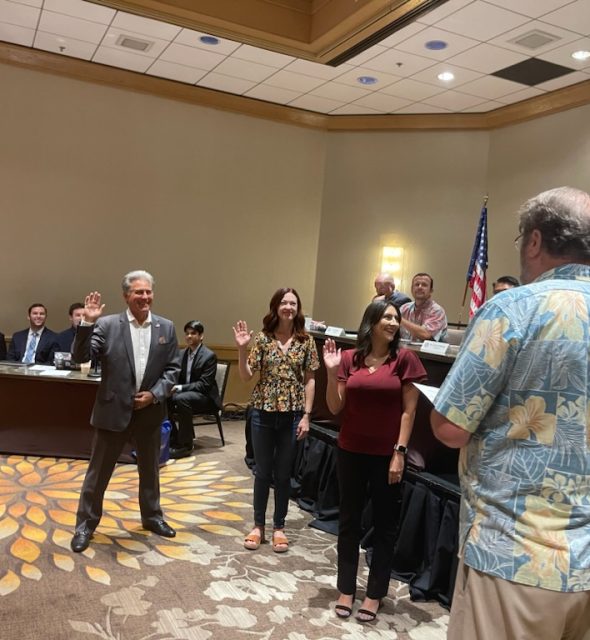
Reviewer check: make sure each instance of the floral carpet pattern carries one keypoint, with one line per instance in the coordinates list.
(133, 585)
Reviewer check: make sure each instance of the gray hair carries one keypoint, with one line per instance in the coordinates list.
(130, 277)
(562, 216)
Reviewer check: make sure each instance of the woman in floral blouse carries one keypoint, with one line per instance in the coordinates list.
(281, 403)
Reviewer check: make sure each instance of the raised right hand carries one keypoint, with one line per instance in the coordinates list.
(332, 356)
(241, 334)
(92, 307)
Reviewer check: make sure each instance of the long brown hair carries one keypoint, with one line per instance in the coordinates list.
(271, 319)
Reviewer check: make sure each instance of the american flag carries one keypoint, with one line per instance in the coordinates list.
(476, 275)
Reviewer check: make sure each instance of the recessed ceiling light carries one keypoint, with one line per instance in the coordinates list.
(367, 80)
(212, 40)
(436, 45)
(446, 76)
(581, 55)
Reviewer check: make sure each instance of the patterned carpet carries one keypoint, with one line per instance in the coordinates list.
(132, 585)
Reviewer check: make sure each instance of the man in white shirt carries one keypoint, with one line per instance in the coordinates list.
(138, 352)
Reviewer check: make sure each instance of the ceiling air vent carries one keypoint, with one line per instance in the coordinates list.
(535, 39)
(134, 43)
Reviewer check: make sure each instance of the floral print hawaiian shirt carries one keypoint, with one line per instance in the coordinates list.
(281, 383)
(521, 387)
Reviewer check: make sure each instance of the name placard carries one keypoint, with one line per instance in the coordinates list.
(430, 346)
(335, 332)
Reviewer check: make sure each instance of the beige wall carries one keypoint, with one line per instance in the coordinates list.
(95, 181)
(424, 189)
(224, 208)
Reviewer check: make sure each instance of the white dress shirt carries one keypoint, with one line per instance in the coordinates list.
(141, 336)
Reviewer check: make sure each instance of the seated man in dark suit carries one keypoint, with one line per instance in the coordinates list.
(197, 391)
(65, 339)
(2, 347)
(37, 344)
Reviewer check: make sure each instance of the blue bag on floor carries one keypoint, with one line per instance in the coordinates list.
(165, 430)
(165, 441)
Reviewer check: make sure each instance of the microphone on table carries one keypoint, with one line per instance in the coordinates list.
(94, 372)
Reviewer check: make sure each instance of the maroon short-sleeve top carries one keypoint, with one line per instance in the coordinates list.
(371, 417)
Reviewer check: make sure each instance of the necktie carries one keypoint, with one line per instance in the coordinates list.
(30, 354)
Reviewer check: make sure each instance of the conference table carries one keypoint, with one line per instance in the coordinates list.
(46, 412)
(426, 546)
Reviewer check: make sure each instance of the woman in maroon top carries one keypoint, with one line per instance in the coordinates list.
(372, 387)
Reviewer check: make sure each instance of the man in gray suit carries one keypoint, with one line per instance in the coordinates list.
(139, 360)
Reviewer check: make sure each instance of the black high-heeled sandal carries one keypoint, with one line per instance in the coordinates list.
(371, 616)
(342, 610)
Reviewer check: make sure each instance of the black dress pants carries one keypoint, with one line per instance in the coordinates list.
(360, 476)
(182, 405)
(106, 448)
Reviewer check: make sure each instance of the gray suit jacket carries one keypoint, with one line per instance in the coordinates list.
(110, 340)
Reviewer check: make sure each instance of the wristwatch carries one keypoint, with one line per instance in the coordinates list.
(400, 447)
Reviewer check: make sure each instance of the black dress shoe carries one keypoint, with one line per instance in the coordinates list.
(81, 540)
(180, 452)
(161, 528)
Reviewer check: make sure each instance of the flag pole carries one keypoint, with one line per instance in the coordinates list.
(485, 204)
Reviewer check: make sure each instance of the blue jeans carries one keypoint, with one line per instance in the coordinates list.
(274, 440)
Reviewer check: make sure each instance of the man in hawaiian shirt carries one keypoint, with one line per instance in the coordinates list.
(423, 319)
(517, 401)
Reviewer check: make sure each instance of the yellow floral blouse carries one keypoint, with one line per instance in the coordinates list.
(281, 383)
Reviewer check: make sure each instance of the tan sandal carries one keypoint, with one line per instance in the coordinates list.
(280, 544)
(254, 539)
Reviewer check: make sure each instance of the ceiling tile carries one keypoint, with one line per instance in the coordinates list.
(19, 15)
(563, 55)
(453, 101)
(272, 94)
(30, 3)
(220, 82)
(481, 21)
(354, 110)
(382, 102)
(192, 56)
(113, 35)
(398, 63)
(412, 90)
(69, 27)
(262, 56)
(462, 75)
(420, 107)
(17, 35)
(316, 70)
(351, 78)
(449, 7)
(486, 58)
(491, 87)
(315, 103)
(64, 46)
(574, 16)
(246, 70)
(78, 9)
(295, 81)
(519, 96)
(490, 105)
(531, 8)
(564, 81)
(341, 92)
(532, 71)
(121, 59)
(147, 26)
(192, 39)
(455, 43)
(403, 34)
(506, 39)
(173, 71)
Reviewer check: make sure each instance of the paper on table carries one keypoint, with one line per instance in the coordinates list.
(427, 390)
(55, 373)
(41, 367)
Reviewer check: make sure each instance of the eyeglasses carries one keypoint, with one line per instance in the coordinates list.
(517, 241)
